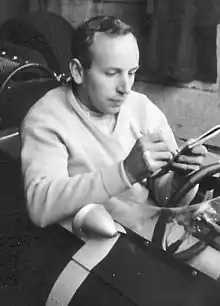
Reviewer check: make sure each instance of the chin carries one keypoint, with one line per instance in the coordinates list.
(114, 110)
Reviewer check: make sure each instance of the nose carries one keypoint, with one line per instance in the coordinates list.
(124, 85)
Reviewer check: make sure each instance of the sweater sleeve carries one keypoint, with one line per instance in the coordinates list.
(51, 194)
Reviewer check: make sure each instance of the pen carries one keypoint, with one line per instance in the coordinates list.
(214, 131)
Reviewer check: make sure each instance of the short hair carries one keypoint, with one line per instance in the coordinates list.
(83, 36)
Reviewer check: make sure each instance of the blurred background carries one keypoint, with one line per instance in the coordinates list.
(179, 46)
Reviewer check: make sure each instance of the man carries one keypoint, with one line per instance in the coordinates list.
(95, 140)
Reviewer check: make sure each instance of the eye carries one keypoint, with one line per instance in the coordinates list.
(110, 73)
(132, 73)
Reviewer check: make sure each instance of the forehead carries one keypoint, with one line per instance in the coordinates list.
(115, 51)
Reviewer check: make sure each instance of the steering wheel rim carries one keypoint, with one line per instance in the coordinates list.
(159, 231)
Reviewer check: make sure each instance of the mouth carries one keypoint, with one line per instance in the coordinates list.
(116, 102)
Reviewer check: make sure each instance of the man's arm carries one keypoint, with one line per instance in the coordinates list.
(52, 195)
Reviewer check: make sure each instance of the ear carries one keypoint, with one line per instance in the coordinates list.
(76, 70)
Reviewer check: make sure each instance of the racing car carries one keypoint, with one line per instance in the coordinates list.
(103, 263)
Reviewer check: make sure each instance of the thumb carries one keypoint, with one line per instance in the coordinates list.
(155, 136)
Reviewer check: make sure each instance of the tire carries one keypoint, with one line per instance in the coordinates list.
(48, 33)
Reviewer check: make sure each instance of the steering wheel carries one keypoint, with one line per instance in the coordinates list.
(207, 181)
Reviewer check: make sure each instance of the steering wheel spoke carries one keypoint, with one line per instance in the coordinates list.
(200, 219)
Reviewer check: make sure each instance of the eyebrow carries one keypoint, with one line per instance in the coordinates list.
(135, 68)
(119, 69)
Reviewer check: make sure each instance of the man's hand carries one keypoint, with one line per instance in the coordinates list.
(150, 153)
(191, 160)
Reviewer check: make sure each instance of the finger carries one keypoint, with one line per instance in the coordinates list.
(184, 168)
(159, 146)
(157, 142)
(151, 163)
(162, 156)
(190, 159)
(153, 137)
(199, 150)
(156, 136)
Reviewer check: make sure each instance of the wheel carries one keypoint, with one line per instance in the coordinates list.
(47, 33)
(205, 177)
(22, 85)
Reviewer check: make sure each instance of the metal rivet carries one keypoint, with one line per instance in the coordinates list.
(194, 273)
(198, 229)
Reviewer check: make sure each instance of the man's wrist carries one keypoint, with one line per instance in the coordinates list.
(130, 177)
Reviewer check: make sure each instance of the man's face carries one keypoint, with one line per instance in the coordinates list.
(109, 80)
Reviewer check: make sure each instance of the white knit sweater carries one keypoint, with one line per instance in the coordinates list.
(69, 160)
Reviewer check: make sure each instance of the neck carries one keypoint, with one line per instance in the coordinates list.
(84, 102)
